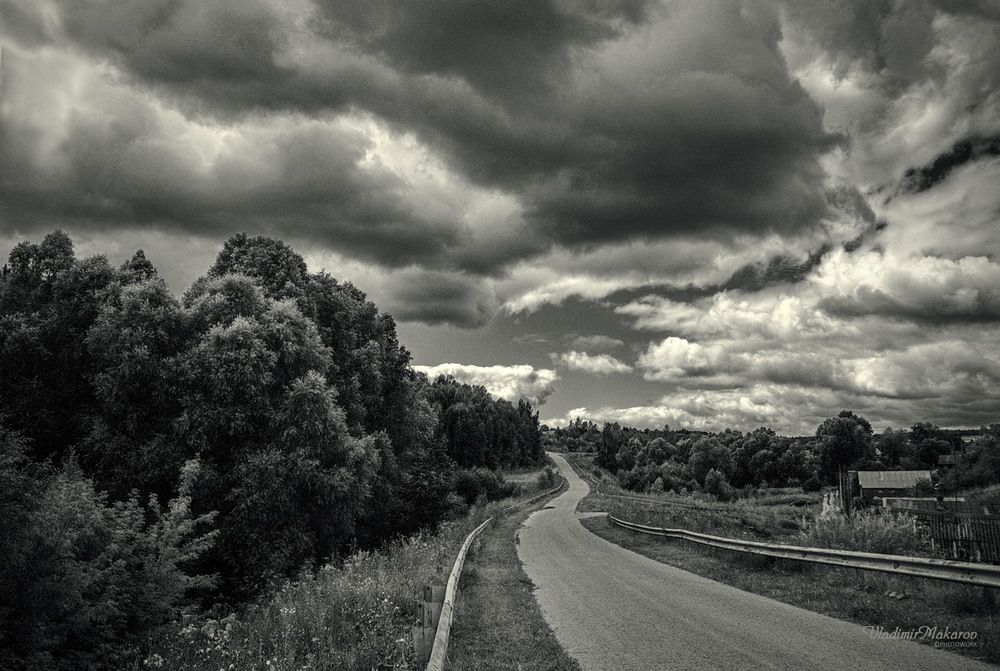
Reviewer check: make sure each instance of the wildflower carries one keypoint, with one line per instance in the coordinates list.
(153, 660)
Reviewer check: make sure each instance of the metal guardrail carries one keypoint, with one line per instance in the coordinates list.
(938, 569)
(440, 649)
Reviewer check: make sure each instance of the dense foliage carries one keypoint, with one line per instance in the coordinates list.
(151, 446)
(723, 464)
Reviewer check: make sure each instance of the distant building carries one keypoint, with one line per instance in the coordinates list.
(890, 483)
(948, 459)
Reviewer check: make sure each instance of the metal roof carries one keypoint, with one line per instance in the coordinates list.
(891, 479)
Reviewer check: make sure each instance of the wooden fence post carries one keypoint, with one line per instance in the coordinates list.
(428, 615)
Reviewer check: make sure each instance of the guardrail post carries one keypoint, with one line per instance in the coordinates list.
(428, 615)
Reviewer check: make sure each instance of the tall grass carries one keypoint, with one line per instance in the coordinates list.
(347, 616)
(869, 531)
(740, 519)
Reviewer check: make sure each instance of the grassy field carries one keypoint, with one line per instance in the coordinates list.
(866, 597)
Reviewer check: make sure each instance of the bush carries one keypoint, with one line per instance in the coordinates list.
(473, 483)
(869, 531)
(98, 577)
(546, 479)
(717, 485)
(812, 484)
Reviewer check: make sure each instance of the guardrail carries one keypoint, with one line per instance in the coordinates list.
(921, 567)
(440, 648)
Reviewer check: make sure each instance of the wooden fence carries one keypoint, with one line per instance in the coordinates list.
(961, 536)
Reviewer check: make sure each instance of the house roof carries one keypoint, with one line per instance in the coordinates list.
(891, 479)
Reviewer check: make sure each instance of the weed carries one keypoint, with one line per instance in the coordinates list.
(869, 531)
(355, 614)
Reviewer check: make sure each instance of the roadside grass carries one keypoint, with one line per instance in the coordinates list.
(745, 518)
(868, 598)
(498, 623)
(527, 479)
(352, 615)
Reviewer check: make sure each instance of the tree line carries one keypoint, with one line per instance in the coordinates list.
(160, 454)
(721, 464)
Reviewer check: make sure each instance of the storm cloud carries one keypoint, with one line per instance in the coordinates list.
(769, 210)
(592, 119)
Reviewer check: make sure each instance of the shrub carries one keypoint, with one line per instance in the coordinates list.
(869, 531)
(717, 485)
(812, 484)
(99, 577)
(547, 478)
(473, 483)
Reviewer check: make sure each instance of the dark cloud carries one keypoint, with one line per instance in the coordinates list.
(608, 122)
(508, 51)
(227, 43)
(916, 180)
(757, 276)
(442, 298)
(880, 36)
(973, 306)
(121, 163)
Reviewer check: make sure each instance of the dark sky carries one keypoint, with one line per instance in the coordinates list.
(711, 214)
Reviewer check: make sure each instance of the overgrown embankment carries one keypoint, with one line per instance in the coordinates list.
(355, 614)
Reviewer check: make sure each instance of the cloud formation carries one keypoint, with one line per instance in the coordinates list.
(587, 119)
(595, 364)
(771, 210)
(507, 382)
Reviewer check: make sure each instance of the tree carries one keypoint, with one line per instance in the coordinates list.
(612, 440)
(134, 343)
(270, 263)
(717, 485)
(296, 498)
(85, 579)
(844, 440)
(893, 447)
(47, 304)
(709, 454)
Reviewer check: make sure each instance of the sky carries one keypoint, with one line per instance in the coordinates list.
(712, 214)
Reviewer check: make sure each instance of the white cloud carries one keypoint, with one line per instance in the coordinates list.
(508, 382)
(676, 357)
(597, 364)
(918, 287)
(772, 313)
(711, 411)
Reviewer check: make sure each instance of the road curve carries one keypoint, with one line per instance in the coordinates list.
(613, 609)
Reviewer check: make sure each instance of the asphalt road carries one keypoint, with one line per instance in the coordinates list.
(613, 609)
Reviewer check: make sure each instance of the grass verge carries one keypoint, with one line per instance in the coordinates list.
(498, 624)
(865, 597)
(349, 615)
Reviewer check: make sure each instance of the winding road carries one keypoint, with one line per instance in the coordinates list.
(613, 609)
